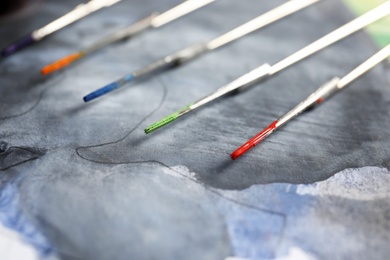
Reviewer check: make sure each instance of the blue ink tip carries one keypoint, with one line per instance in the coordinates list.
(100, 92)
(107, 89)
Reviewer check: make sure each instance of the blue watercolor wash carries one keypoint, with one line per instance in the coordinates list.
(255, 233)
(107, 89)
(11, 216)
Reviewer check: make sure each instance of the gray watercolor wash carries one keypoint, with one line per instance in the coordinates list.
(111, 201)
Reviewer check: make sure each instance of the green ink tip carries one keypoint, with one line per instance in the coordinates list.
(167, 120)
(162, 122)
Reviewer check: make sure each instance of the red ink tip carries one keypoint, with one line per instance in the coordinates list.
(254, 141)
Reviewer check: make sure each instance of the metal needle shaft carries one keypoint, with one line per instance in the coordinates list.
(76, 14)
(266, 70)
(196, 50)
(154, 20)
(317, 97)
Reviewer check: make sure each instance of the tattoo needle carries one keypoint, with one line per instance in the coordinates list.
(76, 14)
(317, 97)
(155, 20)
(267, 70)
(196, 50)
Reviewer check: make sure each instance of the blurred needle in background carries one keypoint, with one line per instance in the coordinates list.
(155, 20)
(196, 50)
(76, 14)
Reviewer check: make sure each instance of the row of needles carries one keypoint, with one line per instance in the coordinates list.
(156, 20)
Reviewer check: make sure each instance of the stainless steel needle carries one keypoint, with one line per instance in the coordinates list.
(266, 70)
(155, 20)
(317, 97)
(76, 14)
(196, 50)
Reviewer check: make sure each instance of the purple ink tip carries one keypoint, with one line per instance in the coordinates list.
(18, 45)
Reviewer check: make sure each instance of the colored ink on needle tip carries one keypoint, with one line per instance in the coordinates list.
(154, 20)
(265, 71)
(81, 11)
(316, 98)
(190, 53)
(18, 45)
(161, 123)
(61, 63)
(169, 119)
(254, 141)
(107, 89)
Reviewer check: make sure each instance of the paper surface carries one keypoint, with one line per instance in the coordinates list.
(95, 187)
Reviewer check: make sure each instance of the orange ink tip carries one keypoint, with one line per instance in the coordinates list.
(61, 63)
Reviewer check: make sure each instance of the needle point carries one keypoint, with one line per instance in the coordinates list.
(254, 141)
(240, 151)
(100, 92)
(161, 123)
(61, 63)
(107, 89)
(17, 46)
(169, 119)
